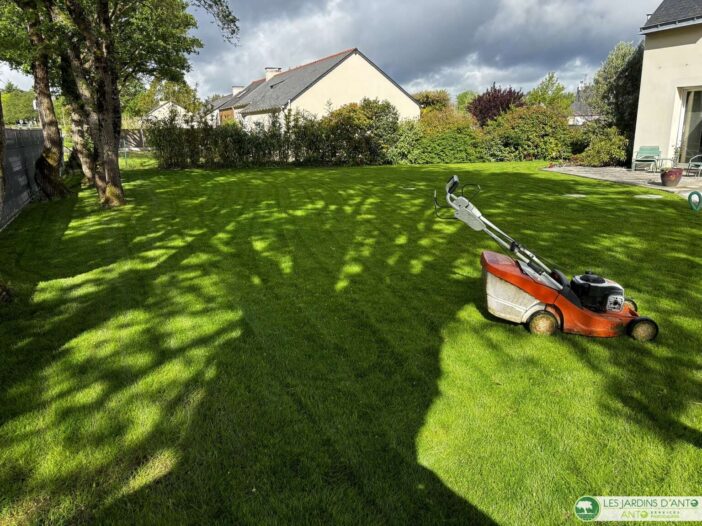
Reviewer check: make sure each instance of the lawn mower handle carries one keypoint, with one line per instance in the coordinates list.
(468, 213)
(451, 185)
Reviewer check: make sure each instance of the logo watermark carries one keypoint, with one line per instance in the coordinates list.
(587, 508)
(642, 509)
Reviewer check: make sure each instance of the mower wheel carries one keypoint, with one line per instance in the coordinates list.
(543, 323)
(631, 304)
(642, 329)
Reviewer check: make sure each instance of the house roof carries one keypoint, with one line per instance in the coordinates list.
(674, 13)
(218, 103)
(580, 107)
(160, 105)
(263, 95)
(163, 104)
(288, 85)
(234, 100)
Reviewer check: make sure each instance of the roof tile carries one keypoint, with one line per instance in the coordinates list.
(672, 12)
(285, 86)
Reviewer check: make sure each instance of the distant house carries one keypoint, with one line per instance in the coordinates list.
(313, 88)
(581, 112)
(222, 109)
(164, 110)
(670, 100)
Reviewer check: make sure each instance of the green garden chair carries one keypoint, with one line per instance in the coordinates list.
(648, 155)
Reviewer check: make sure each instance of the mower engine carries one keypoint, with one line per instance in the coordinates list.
(597, 293)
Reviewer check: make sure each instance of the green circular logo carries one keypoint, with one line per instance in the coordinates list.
(587, 508)
(694, 503)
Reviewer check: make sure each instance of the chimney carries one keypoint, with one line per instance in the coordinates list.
(272, 72)
(237, 89)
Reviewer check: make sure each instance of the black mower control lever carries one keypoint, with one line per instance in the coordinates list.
(476, 192)
(438, 207)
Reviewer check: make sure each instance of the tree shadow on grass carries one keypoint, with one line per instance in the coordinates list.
(230, 357)
(264, 347)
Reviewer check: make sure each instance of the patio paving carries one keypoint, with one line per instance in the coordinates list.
(625, 176)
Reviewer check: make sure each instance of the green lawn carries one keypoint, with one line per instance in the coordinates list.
(311, 346)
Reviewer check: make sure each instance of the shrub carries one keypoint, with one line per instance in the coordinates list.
(170, 142)
(384, 124)
(362, 133)
(433, 122)
(408, 136)
(447, 139)
(433, 99)
(607, 147)
(463, 99)
(528, 133)
(461, 145)
(494, 102)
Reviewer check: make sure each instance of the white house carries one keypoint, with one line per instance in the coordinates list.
(164, 110)
(670, 100)
(313, 88)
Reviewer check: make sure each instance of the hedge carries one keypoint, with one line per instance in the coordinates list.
(370, 133)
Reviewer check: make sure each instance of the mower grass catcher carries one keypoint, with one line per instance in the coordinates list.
(524, 289)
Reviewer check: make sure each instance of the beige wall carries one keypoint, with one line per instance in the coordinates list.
(258, 118)
(672, 64)
(349, 82)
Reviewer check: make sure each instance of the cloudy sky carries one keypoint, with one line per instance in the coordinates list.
(452, 44)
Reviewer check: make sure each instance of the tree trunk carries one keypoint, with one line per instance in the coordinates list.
(84, 119)
(83, 146)
(48, 166)
(78, 86)
(99, 97)
(108, 107)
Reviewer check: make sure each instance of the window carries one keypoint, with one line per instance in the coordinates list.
(692, 127)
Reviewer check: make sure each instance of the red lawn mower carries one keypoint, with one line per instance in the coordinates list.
(524, 289)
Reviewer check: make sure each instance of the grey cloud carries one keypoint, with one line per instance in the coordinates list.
(450, 44)
(439, 43)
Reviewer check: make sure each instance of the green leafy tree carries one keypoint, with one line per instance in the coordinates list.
(130, 93)
(95, 47)
(19, 106)
(615, 90)
(178, 92)
(28, 42)
(10, 87)
(550, 93)
(433, 99)
(463, 99)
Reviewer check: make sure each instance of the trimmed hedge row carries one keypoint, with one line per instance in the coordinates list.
(354, 134)
(370, 133)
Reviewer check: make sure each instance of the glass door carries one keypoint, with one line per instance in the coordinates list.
(692, 127)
